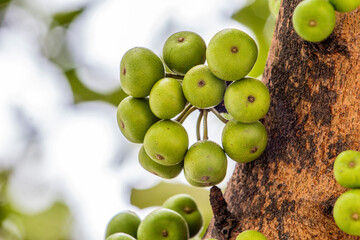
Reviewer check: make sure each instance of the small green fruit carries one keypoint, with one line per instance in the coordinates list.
(186, 206)
(163, 224)
(205, 162)
(124, 222)
(345, 5)
(347, 169)
(247, 100)
(184, 50)
(166, 142)
(134, 118)
(347, 212)
(120, 236)
(166, 98)
(231, 54)
(244, 142)
(157, 169)
(250, 235)
(140, 68)
(314, 20)
(202, 88)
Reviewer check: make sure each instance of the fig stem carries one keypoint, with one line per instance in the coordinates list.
(187, 113)
(205, 132)
(218, 115)
(181, 115)
(198, 123)
(174, 75)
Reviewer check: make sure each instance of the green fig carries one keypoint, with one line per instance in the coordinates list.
(195, 183)
(202, 88)
(166, 98)
(163, 224)
(123, 222)
(250, 235)
(247, 100)
(345, 5)
(347, 212)
(205, 162)
(120, 236)
(134, 118)
(184, 50)
(314, 20)
(140, 68)
(347, 169)
(157, 169)
(231, 54)
(166, 142)
(186, 206)
(244, 142)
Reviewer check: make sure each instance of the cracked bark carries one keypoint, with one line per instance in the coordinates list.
(289, 192)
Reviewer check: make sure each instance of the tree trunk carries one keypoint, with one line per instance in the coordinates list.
(290, 191)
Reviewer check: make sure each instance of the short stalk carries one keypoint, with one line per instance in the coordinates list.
(189, 111)
(174, 75)
(205, 132)
(218, 115)
(198, 123)
(181, 115)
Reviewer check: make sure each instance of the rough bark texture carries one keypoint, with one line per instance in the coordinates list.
(290, 191)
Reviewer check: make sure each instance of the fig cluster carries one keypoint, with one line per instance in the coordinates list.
(162, 96)
(347, 207)
(179, 218)
(314, 20)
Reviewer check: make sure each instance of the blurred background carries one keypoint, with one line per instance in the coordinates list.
(65, 168)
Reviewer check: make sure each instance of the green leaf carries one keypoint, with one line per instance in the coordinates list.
(66, 18)
(156, 196)
(255, 16)
(82, 93)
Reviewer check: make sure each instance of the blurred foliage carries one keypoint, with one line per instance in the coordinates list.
(52, 223)
(157, 195)
(64, 19)
(3, 6)
(257, 17)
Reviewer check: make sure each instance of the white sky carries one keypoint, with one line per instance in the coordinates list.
(79, 143)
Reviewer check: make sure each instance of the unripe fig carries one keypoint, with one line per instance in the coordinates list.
(166, 142)
(244, 142)
(140, 68)
(134, 118)
(120, 236)
(202, 88)
(347, 169)
(123, 222)
(184, 50)
(163, 224)
(345, 5)
(250, 235)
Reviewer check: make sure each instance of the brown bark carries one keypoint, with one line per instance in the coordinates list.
(290, 191)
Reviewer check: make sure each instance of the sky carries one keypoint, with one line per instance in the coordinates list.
(73, 151)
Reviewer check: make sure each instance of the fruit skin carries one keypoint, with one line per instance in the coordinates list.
(186, 206)
(166, 142)
(202, 88)
(140, 68)
(157, 169)
(205, 162)
(134, 118)
(166, 98)
(347, 169)
(247, 100)
(231, 54)
(314, 20)
(345, 6)
(120, 236)
(346, 208)
(250, 235)
(184, 50)
(195, 183)
(163, 223)
(125, 222)
(244, 142)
